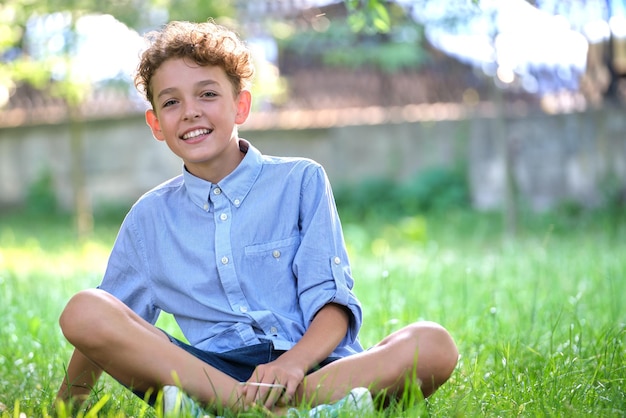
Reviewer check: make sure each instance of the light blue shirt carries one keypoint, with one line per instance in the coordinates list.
(250, 259)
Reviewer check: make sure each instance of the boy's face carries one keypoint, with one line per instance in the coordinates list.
(196, 113)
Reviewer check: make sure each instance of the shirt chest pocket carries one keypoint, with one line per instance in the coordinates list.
(272, 258)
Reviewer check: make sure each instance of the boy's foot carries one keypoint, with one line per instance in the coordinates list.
(357, 403)
(177, 403)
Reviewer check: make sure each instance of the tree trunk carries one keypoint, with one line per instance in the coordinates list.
(83, 213)
(505, 154)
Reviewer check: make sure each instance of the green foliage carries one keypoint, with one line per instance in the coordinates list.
(340, 45)
(41, 196)
(370, 198)
(373, 16)
(199, 10)
(388, 57)
(434, 189)
(37, 74)
(73, 88)
(368, 16)
(614, 195)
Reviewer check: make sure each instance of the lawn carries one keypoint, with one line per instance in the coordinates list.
(539, 318)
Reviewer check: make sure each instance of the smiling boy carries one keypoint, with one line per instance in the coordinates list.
(246, 251)
(198, 119)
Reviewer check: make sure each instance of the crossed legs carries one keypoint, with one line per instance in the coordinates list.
(137, 354)
(422, 352)
(113, 338)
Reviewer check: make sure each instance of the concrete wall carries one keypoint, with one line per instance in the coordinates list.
(554, 157)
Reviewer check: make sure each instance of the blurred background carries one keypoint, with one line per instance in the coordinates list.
(487, 104)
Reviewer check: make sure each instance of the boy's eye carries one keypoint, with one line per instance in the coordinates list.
(169, 103)
(209, 94)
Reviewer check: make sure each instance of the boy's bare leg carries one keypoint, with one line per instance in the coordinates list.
(138, 354)
(422, 350)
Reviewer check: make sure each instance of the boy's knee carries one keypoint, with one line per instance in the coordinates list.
(443, 337)
(449, 353)
(440, 339)
(81, 314)
(435, 349)
(442, 354)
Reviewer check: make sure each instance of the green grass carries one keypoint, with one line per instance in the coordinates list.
(539, 319)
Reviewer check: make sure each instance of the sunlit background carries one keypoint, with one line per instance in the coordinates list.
(544, 49)
(493, 68)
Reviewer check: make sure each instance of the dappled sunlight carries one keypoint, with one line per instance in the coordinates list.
(67, 262)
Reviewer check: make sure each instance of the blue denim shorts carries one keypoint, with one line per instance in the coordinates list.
(238, 363)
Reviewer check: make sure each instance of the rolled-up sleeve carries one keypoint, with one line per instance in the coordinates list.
(321, 264)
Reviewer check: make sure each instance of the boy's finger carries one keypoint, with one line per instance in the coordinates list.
(262, 393)
(284, 399)
(275, 396)
(249, 396)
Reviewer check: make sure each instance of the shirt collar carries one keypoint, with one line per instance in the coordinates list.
(235, 186)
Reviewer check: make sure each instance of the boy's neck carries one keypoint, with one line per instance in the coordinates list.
(216, 170)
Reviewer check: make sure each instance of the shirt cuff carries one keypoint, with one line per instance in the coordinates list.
(344, 296)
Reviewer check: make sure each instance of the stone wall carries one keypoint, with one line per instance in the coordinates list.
(553, 157)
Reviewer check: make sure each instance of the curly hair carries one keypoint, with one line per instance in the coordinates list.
(205, 43)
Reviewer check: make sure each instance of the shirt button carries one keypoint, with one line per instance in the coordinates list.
(217, 190)
(224, 260)
(273, 330)
(206, 206)
(237, 202)
(276, 253)
(243, 309)
(223, 216)
(337, 260)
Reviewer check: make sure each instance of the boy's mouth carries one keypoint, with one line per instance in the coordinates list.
(195, 133)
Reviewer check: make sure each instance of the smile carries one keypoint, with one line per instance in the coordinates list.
(196, 133)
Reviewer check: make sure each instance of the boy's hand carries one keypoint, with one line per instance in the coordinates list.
(328, 328)
(273, 383)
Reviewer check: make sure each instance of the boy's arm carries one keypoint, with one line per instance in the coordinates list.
(326, 331)
(328, 328)
(81, 376)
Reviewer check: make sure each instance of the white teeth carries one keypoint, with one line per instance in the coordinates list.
(195, 133)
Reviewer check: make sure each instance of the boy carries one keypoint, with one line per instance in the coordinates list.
(246, 251)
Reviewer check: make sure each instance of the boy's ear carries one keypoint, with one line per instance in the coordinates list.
(244, 101)
(155, 126)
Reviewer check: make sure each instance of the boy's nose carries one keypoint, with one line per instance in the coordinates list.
(191, 113)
